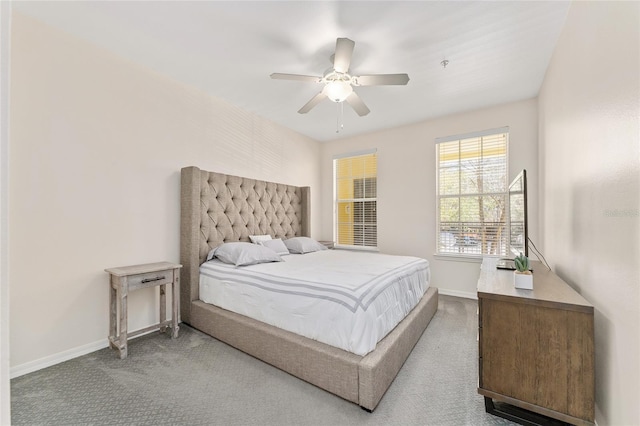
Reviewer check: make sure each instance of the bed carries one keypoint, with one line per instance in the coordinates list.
(218, 208)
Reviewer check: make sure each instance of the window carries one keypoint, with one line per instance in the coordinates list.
(355, 189)
(472, 193)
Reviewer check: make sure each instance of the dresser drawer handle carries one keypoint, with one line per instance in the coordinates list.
(148, 280)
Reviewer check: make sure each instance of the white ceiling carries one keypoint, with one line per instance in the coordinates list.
(498, 51)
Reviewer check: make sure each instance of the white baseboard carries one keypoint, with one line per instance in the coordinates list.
(458, 293)
(48, 361)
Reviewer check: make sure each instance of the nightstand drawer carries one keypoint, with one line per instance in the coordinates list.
(150, 279)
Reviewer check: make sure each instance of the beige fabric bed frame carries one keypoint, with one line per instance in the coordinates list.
(217, 208)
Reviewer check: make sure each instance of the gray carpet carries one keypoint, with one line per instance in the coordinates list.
(197, 380)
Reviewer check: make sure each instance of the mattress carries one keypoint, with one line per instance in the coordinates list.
(346, 299)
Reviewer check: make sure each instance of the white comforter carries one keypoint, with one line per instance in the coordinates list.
(346, 299)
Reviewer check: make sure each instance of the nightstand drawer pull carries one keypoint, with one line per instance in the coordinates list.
(149, 280)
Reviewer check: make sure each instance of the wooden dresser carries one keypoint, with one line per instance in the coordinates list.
(535, 348)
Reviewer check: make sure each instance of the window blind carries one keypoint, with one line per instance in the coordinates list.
(472, 194)
(355, 188)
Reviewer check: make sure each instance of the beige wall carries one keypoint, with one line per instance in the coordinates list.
(97, 144)
(407, 183)
(5, 401)
(590, 167)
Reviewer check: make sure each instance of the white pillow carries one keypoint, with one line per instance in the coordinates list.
(303, 245)
(276, 245)
(257, 238)
(242, 254)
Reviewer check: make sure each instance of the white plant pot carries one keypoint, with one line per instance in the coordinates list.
(523, 281)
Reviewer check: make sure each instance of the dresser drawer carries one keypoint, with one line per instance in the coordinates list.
(150, 279)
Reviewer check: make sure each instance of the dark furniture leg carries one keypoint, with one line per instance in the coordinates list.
(519, 415)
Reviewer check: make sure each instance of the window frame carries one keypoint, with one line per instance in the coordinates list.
(363, 200)
(504, 235)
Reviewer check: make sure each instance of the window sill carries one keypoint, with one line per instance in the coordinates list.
(356, 248)
(460, 258)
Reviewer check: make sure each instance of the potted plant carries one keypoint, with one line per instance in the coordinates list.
(522, 276)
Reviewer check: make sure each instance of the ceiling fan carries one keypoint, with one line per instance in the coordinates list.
(338, 83)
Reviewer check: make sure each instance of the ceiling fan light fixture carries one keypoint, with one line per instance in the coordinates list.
(337, 90)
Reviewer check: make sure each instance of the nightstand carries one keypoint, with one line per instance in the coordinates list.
(128, 278)
(327, 244)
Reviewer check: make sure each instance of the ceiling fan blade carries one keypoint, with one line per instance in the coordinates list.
(356, 103)
(381, 79)
(342, 57)
(297, 77)
(313, 102)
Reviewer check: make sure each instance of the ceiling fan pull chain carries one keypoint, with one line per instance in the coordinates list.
(340, 117)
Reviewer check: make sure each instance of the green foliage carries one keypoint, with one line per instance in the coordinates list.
(522, 263)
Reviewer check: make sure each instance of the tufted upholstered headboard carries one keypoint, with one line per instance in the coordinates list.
(218, 208)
